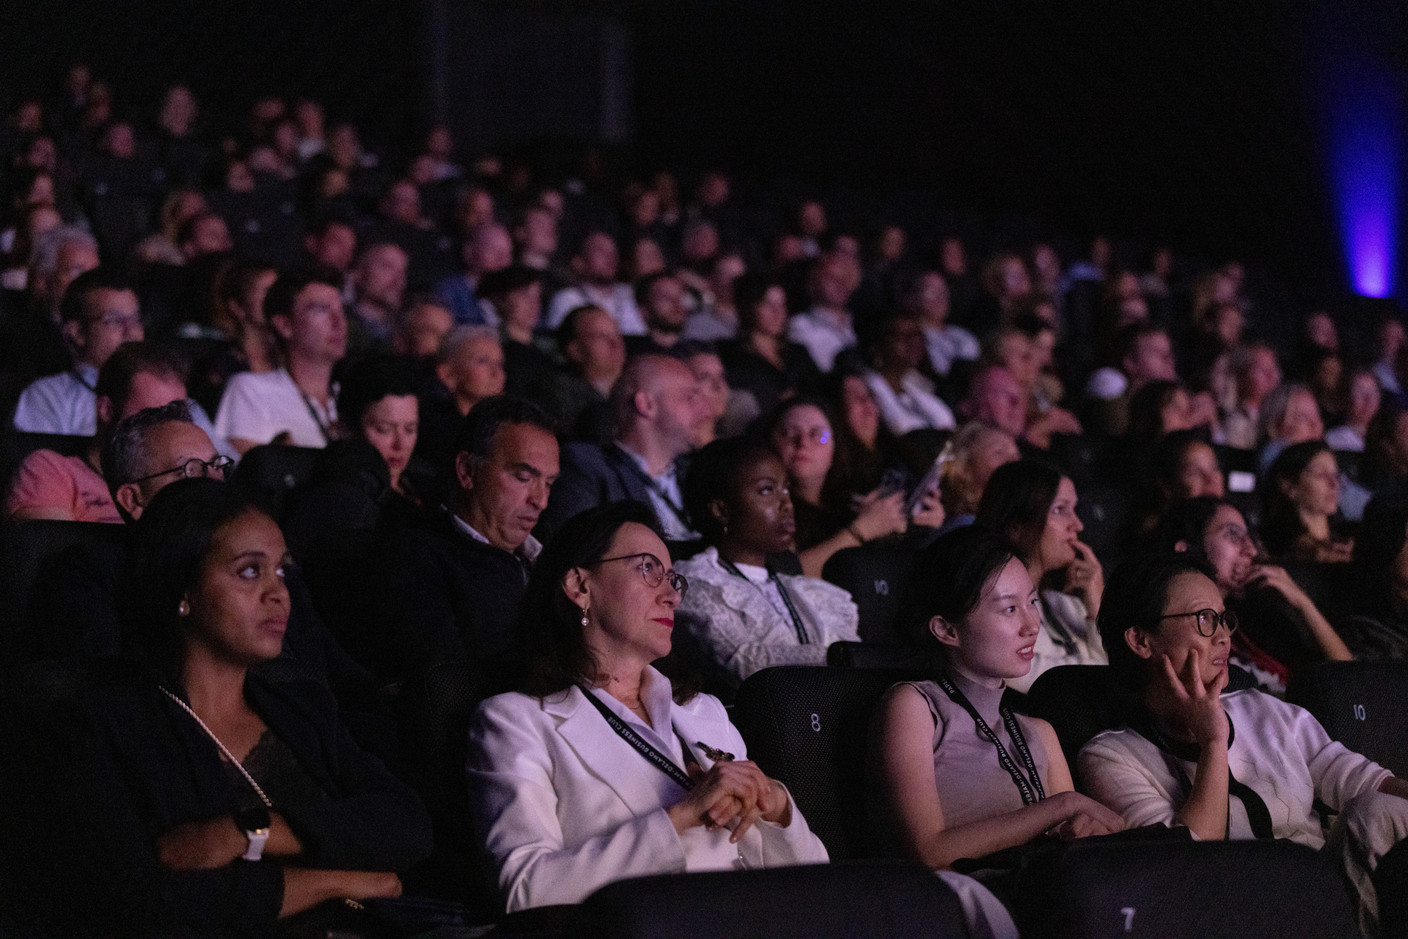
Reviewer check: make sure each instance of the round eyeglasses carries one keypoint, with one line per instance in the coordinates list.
(1208, 621)
(216, 466)
(652, 571)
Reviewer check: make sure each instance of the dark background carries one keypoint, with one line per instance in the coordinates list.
(1202, 123)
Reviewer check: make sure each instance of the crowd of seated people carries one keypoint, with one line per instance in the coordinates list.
(510, 414)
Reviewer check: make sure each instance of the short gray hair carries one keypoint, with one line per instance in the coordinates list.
(124, 455)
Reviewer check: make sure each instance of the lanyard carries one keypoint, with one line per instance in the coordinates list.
(656, 759)
(1174, 752)
(1031, 791)
(776, 581)
(654, 487)
(313, 412)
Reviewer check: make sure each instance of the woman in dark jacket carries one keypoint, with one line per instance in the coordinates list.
(195, 798)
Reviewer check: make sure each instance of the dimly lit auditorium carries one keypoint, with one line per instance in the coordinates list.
(703, 468)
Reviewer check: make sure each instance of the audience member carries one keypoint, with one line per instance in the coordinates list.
(295, 403)
(978, 449)
(1364, 399)
(546, 797)
(1283, 631)
(945, 343)
(378, 289)
(742, 615)
(658, 409)
(190, 767)
(1032, 505)
(595, 265)
(905, 397)
(1300, 496)
(487, 249)
(826, 329)
(48, 485)
(99, 313)
(1169, 638)
(660, 299)
(451, 586)
(595, 357)
(761, 361)
(948, 788)
(1377, 601)
(1254, 373)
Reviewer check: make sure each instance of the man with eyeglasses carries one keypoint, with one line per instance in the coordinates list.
(153, 448)
(71, 487)
(99, 312)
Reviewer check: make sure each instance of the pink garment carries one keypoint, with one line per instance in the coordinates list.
(50, 481)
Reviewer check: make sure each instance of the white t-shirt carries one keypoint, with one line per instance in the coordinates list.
(259, 406)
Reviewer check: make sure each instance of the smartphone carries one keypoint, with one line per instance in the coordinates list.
(930, 480)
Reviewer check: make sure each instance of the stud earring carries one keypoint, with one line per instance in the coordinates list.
(184, 609)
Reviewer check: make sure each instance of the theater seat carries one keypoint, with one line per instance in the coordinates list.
(1363, 705)
(433, 710)
(24, 547)
(809, 727)
(1175, 889)
(270, 473)
(875, 655)
(875, 899)
(874, 575)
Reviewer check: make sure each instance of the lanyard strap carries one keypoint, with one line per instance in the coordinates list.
(776, 581)
(1174, 752)
(653, 486)
(1031, 790)
(317, 419)
(656, 759)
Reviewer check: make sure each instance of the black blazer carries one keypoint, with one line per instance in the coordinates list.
(592, 475)
(131, 765)
(444, 597)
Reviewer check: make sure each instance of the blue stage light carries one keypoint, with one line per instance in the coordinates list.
(1365, 161)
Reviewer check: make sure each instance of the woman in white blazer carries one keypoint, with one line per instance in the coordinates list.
(740, 614)
(600, 769)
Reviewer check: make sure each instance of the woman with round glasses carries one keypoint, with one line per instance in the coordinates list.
(600, 769)
(1284, 630)
(1237, 765)
(801, 434)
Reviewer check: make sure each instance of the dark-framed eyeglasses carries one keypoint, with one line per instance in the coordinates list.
(652, 571)
(1208, 621)
(216, 466)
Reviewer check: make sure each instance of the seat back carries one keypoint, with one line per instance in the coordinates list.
(1363, 705)
(1207, 890)
(434, 709)
(875, 577)
(808, 727)
(876, 899)
(875, 655)
(24, 547)
(270, 473)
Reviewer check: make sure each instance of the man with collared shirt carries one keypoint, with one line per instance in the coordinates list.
(452, 586)
(826, 329)
(658, 410)
(99, 312)
(296, 401)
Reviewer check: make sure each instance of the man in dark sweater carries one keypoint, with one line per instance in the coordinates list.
(452, 586)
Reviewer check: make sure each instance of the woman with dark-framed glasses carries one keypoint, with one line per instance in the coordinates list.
(1237, 765)
(599, 769)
